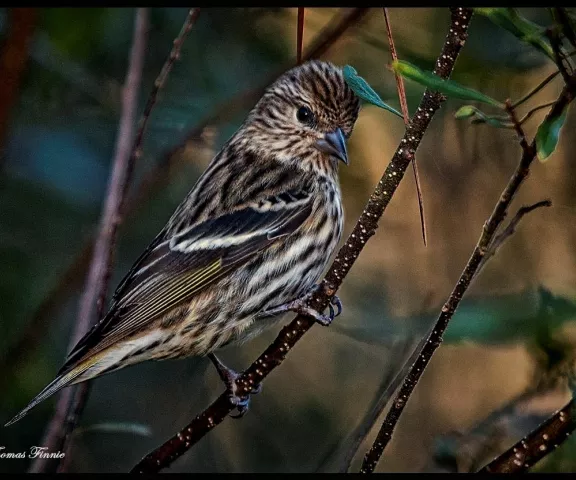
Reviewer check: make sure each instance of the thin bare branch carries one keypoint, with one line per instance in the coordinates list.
(93, 298)
(533, 447)
(510, 229)
(395, 378)
(536, 89)
(174, 55)
(406, 115)
(531, 112)
(366, 227)
(488, 232)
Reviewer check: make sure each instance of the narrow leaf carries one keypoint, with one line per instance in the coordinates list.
(525, 30)
(119, 427)
(477, 116)
(364, 91)
(434, 82)
(548, 133)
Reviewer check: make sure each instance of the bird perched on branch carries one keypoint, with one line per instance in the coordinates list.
(248, 243)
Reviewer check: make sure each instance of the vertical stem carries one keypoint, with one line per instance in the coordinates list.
(71, 400)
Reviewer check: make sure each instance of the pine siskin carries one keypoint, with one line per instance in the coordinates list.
(249, 241)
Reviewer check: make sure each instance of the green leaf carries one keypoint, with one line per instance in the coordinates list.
(434, 82)
(548, 133)
(364, 91)
(477, 116)
(525, 30)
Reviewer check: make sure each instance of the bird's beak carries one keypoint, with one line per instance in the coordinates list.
(334, 143)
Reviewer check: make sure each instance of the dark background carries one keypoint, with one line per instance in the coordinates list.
(53, 174)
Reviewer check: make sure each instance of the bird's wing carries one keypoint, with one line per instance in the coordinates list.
(173, 269)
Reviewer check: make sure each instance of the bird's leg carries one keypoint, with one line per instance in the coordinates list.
(229, 377)
(300, 305)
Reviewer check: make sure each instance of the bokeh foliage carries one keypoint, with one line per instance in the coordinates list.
(515, 324)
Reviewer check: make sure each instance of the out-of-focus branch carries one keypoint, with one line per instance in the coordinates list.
(533, 447)
(72, 400)
(81, 396)
(472, 267)
(395, 378)
(366, 226)
(299, 35)
(21, 27)
(152, 182)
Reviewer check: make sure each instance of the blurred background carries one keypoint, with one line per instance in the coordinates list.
(512, 334)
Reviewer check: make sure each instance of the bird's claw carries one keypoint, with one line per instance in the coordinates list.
(241, 402)
(300, 305)
(335, 302)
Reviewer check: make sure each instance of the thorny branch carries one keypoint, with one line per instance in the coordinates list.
(472, 267)
(152, 182)
(366, 226)
(71, 400)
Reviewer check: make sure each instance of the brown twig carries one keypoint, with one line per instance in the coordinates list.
(21, 27)
(533, 447)
(300, 35)
(366, 226)
(152, 182)
(174, 55)
(93, 297)
(536, 89)
(482, 247)
(406, 115)
(510, 230)
(532, 111)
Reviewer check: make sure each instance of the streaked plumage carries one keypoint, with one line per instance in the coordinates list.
(257, 230)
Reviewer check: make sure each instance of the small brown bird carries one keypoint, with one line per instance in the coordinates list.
(249, 241)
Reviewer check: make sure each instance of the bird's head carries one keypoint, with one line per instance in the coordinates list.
(305, 118)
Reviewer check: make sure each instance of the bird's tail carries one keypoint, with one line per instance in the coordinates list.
(61, 381)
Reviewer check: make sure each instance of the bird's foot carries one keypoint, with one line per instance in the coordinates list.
(229, 376)
(300, 306)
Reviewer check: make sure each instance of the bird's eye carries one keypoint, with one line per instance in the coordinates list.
(305, 115)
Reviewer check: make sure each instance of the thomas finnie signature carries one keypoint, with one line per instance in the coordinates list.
(34, 452)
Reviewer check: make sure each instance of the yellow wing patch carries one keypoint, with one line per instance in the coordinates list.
(163, 298)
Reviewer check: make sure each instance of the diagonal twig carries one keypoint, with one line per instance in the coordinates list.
(71, 400)
(532, 111)
(520, 457)
(366, 226)
(488, 233)
(510, 230)
(391, 384)
(406, 115)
